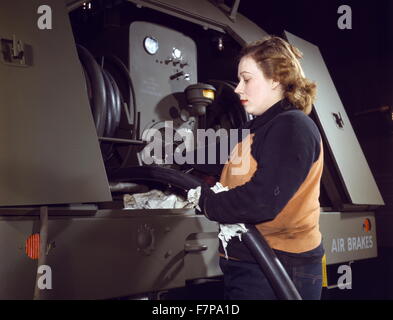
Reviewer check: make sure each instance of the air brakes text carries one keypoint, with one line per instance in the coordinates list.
(352, 243)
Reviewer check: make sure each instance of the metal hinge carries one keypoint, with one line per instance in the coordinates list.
(13, 52)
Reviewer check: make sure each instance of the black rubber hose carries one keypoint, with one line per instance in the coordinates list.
(124, 70)
(117, 105)
(109, 106)
(274, 271)
(159, 174)
(107, 148)
(98, 103)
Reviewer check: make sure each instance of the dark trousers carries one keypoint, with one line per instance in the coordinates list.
(246, 281)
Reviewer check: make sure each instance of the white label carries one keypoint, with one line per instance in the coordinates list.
(352, 244)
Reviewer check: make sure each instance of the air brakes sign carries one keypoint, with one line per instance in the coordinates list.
(348, 236)
(352, 244)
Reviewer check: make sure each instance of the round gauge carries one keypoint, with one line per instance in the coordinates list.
(176, 53)
(151, 45)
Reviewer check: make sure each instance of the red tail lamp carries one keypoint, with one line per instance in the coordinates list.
(32, 246)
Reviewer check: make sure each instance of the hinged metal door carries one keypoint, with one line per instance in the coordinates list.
(342, 142)
(49, 152)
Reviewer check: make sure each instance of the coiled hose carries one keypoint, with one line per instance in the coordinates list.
(106, 99)
(95, 78)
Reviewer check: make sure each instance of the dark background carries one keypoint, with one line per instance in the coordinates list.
(359, 60)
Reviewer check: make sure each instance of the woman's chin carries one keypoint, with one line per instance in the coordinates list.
(250, 110)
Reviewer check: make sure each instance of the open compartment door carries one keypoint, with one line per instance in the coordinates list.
(49, 151)
(351, 163)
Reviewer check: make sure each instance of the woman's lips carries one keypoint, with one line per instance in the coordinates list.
(243, 102)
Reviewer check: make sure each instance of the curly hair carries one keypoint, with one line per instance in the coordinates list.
(279, 61)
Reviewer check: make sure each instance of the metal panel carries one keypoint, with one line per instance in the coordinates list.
(352, 165)
(348, 236)
(208, 15)
(202, 260)
(49, 152)
(128, 252)
(109, 254)
(158, 91)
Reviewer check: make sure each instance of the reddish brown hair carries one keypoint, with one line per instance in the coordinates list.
(279, 61)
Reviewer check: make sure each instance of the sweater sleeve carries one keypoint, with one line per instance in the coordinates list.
(290, 147)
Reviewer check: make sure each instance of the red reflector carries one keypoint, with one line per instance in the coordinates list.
(33, 246)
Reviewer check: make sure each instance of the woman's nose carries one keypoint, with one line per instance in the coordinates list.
(238, 88)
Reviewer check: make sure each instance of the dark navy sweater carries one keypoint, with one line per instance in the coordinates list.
(285, 145)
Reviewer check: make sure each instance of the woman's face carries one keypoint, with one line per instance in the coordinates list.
(256, 92)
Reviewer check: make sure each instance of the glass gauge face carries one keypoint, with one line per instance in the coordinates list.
(151, 45)
(176, 53)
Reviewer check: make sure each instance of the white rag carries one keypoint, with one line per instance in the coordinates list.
(154, 199)
(227, 231)
(193, 196)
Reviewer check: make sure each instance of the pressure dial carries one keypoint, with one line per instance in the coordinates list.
(176, 53)
(151, 45)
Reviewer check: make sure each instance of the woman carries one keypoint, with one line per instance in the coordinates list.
(276, 184)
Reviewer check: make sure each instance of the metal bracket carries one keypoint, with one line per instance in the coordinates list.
(338, 119)
(195, 248)
(234, 9)
(231, 12)
(13, 52)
